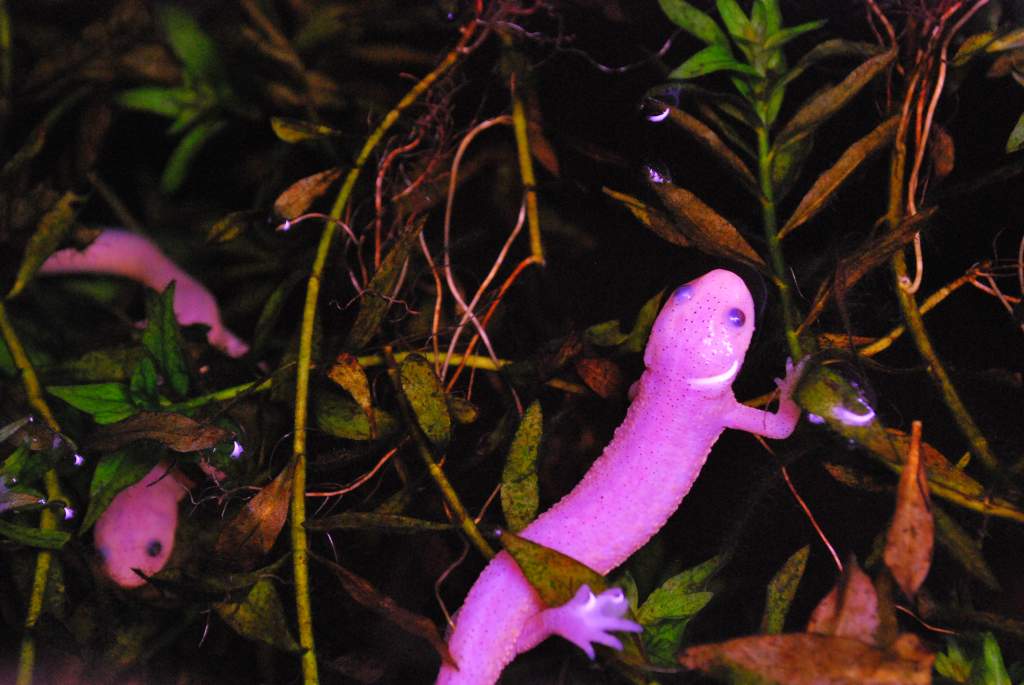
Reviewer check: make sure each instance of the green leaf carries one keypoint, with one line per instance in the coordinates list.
(555, 576)
(736, 22)
(1010, 40)
(26, 466)
(767, 14)
(142, 385)
(781, 590)
(49, 233)
(295, 130)
(104, 364)
(115, 472)
(1016, 140)
(681, 596)
(34, 537)
(953, 663)
(829, 49)
(637, 340)
(341, 417)
(780, 38)
(162, 338)
(193, 46)
(105, 402)
(384, 523)
(787, 163)
(693, 21)
(990, 669)
(166, 102)
(181, 159)
(709, 60)
(427, 398)
(259, 617)
(519, 490)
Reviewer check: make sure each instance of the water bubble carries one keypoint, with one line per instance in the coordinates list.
(815, 419)
(654, 110)
(69, 513)
(657, 173)
(237, 450)
(78, 459)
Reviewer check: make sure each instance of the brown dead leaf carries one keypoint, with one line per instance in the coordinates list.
(850, 609)
(301, 194)
(252, 532)
(175, 431)
(708, 139)
(942, 151)
(911, 538)
(603, 376)
(651, 217)
(807, 659)
(705, 228)
(347, 373)
(368, 596)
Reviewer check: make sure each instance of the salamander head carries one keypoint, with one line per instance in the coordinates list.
(703, 331)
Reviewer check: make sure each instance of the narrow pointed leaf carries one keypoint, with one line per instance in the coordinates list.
(162, 338)
(651, 217)
(822, 106)
(911, 536)
(49, 233)
(519, 489)
(705, 228)
(1016, 140)
(190, 43)
(829, 182)
(693, 21)
(174, 431)
(709, 60)
(781, 590)
(710, 141)
(30, 536)
(427, 398)
(780, 38)
(555, 576)
(736, 22)
(105, 402)
(298, 197)
(260, 617)
(384, 523)
(185, 153)
(295, 130)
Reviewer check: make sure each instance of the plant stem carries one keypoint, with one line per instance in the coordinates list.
(47, 518)
(425, 449)
(790, 321)
(299, 540)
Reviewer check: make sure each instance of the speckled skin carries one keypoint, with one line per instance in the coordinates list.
(122, 253)
(682, 404)
(141, 519)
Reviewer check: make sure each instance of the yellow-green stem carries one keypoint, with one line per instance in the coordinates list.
(47, 518)
(299, 540)
(790, 320)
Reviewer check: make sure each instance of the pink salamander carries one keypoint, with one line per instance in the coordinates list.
(137, 530)
(122, 253)
(682, 403)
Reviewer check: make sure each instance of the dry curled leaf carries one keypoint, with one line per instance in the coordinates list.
(175, 431)
(850, 609)
(908, 548)
(603, 376)
(254, 529)
(297, 198)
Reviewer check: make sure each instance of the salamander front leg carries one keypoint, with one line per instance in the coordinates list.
(778, 425)
(584, 619)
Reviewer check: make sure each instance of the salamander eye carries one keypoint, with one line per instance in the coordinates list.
(736, 317)
(154, 548)
(683, 293)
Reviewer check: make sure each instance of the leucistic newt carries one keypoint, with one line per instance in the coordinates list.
(122, 253)
(137, 530)
(681, 404)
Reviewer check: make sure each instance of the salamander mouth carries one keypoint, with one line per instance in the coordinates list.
(719, 378)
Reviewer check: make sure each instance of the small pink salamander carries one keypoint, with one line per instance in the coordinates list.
(122, 253)
(137, 530)
(682, 403)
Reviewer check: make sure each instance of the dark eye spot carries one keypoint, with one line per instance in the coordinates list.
(736, 317)
(682, 293)
(154, 548)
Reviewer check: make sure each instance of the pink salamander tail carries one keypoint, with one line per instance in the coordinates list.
(122, 253)
(489, 624)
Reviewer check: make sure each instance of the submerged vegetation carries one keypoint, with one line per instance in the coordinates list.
(443, 230)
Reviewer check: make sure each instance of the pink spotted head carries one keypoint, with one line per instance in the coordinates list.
(703, 331)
